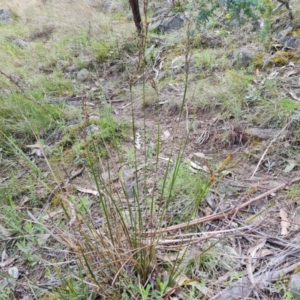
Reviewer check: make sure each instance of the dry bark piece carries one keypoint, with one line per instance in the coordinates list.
(266, 133)
(285, 223)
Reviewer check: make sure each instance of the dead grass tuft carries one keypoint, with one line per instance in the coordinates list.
(65, 16)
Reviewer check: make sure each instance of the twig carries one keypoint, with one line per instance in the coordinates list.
(187, 119)
(270, 144)
(224, 213)
(287, 5)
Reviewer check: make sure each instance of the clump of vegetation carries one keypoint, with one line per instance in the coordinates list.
(237, 10)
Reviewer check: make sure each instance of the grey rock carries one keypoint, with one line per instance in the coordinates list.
(243, 57)
(294, 286)
(92, 129)
(20, 43)
(290, 41)
(168, 24)
(83, 75)
(257, 25)
(173, 23)
(283, 33)
(5, 15)
(71, 69)
(60, 64)
(129, 17)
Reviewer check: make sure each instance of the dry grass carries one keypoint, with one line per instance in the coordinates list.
(66, 16)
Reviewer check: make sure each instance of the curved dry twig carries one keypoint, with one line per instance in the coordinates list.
(224, 213)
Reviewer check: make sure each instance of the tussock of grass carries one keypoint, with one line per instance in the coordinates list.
(226, 92)
(22, 116)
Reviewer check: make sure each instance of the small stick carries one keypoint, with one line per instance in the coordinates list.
(224, 213)
(270, 144)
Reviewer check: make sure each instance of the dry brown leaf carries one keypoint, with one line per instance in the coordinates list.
(252, 251)
(86, 191)
(252, 254)
(72, 213)
(25, 200)
(4, 232)
(265, 252)
(290, 73)
(7, 262)
(285, 223)
(173, 256)
(198, 167)
(138, 141)
(273, 75)
(294, 96)
(4, 256)
(291, 165)
(257, 72)
(52, 214)
(36, 149)
(166, 135)
(184, 280)
(202, 155)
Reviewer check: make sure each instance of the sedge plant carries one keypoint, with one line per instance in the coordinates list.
(112, 239)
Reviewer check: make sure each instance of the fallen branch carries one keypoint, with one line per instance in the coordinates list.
(224, 213)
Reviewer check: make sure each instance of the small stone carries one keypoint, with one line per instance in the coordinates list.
(290, 41)
(71, 69)
(20, 43)
(60, 64)
(283, 33)
(83, 75)
(173, 23)
(5, 15)
(13, 272)
(243, 57)
(129, 17)
(92, 129)
(257, 25)
(294, 286)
